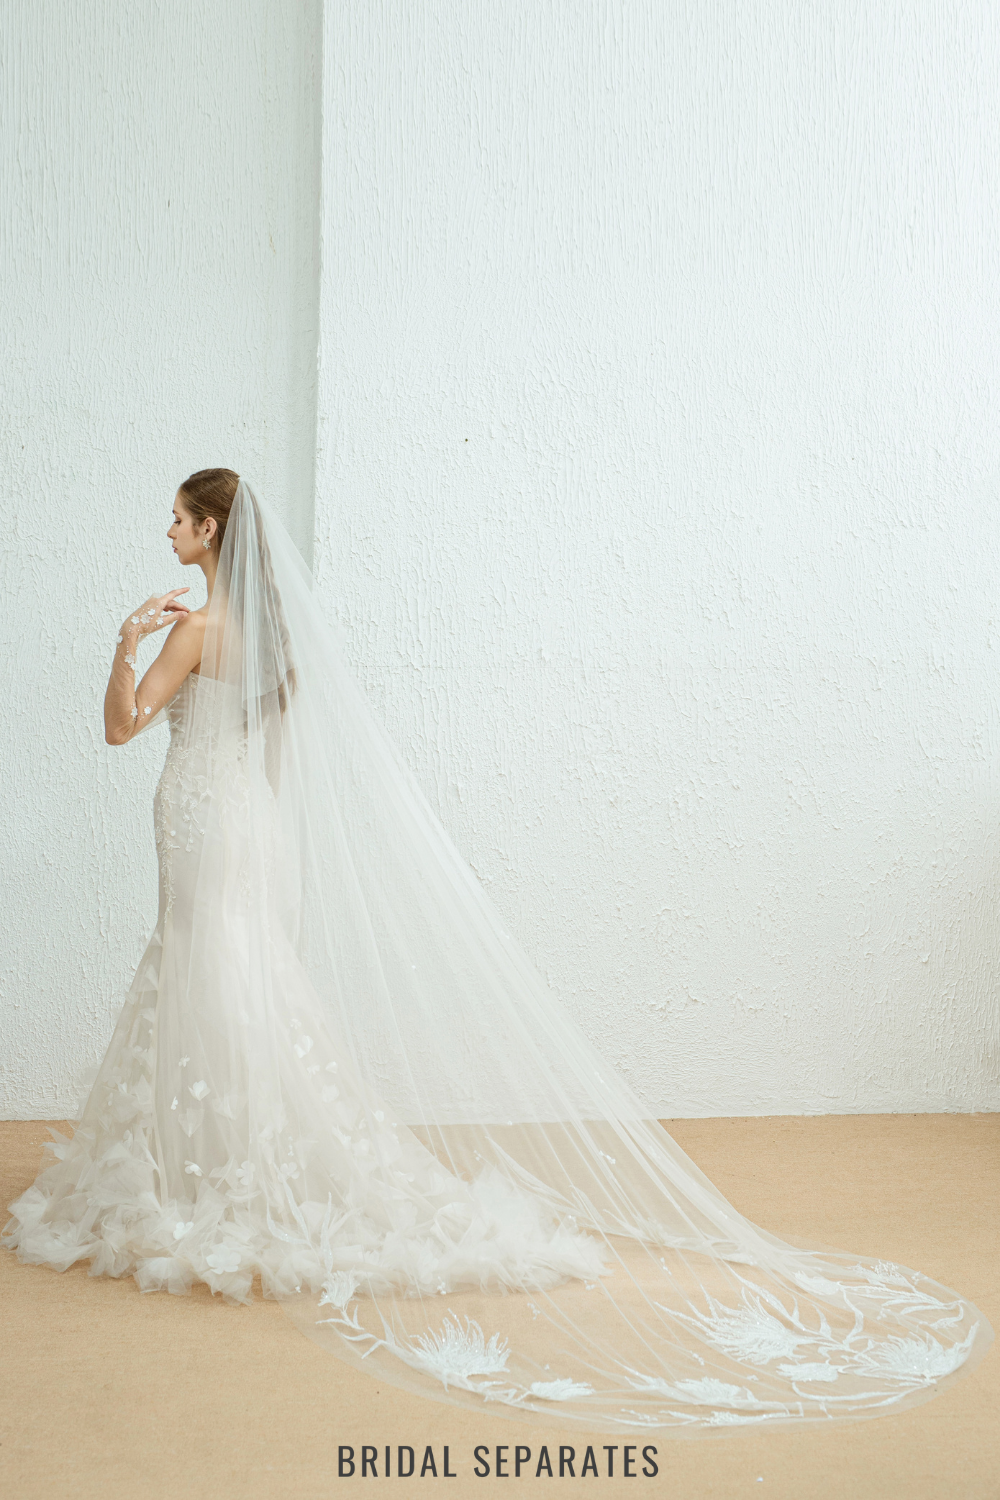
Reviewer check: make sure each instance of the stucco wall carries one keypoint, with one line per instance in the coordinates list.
(657, 490)
(159, 239)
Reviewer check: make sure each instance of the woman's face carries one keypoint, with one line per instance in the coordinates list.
(188, 535)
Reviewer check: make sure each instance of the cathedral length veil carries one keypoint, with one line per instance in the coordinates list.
(453, 1190)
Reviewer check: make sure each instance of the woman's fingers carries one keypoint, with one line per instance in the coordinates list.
(167, 613)
(159, 610)
(170, 608)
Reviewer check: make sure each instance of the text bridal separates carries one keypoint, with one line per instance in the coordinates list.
(336, 1070)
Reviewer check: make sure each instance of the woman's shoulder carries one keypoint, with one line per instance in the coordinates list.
(185, 641)
(192, 624)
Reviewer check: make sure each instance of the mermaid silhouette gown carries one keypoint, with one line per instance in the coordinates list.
(212, 1153)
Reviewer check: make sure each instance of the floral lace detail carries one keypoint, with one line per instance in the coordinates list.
(456, 1352)
(765, 1328)
(186, 793)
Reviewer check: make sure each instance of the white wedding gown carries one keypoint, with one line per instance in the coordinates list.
(211, 1153)
(337, 1071)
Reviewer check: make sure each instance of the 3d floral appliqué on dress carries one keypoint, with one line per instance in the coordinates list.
(182, 1164)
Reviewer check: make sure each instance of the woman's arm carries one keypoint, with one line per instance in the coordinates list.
(127, 708)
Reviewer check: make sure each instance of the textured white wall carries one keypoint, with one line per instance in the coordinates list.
(159, 237)
(657, 489)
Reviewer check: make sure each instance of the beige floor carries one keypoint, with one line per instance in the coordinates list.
(105, 1392)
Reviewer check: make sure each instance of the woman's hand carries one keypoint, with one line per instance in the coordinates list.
(157, 612)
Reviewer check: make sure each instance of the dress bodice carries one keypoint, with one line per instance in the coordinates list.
(196, 690)
(204, 769)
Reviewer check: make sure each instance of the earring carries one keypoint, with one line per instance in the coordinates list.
(206, 544)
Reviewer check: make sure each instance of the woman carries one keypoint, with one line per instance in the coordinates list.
(338, 1072)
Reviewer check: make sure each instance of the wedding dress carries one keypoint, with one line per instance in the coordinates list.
(337, 1071)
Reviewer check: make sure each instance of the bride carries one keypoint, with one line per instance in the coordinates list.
(336, 1072)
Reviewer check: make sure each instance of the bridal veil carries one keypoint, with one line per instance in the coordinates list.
(457, 1192)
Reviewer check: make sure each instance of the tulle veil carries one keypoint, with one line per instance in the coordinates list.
(504, 1222)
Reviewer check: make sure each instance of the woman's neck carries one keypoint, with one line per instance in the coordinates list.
(209, 567)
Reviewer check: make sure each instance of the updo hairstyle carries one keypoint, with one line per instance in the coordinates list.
(209, 494)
